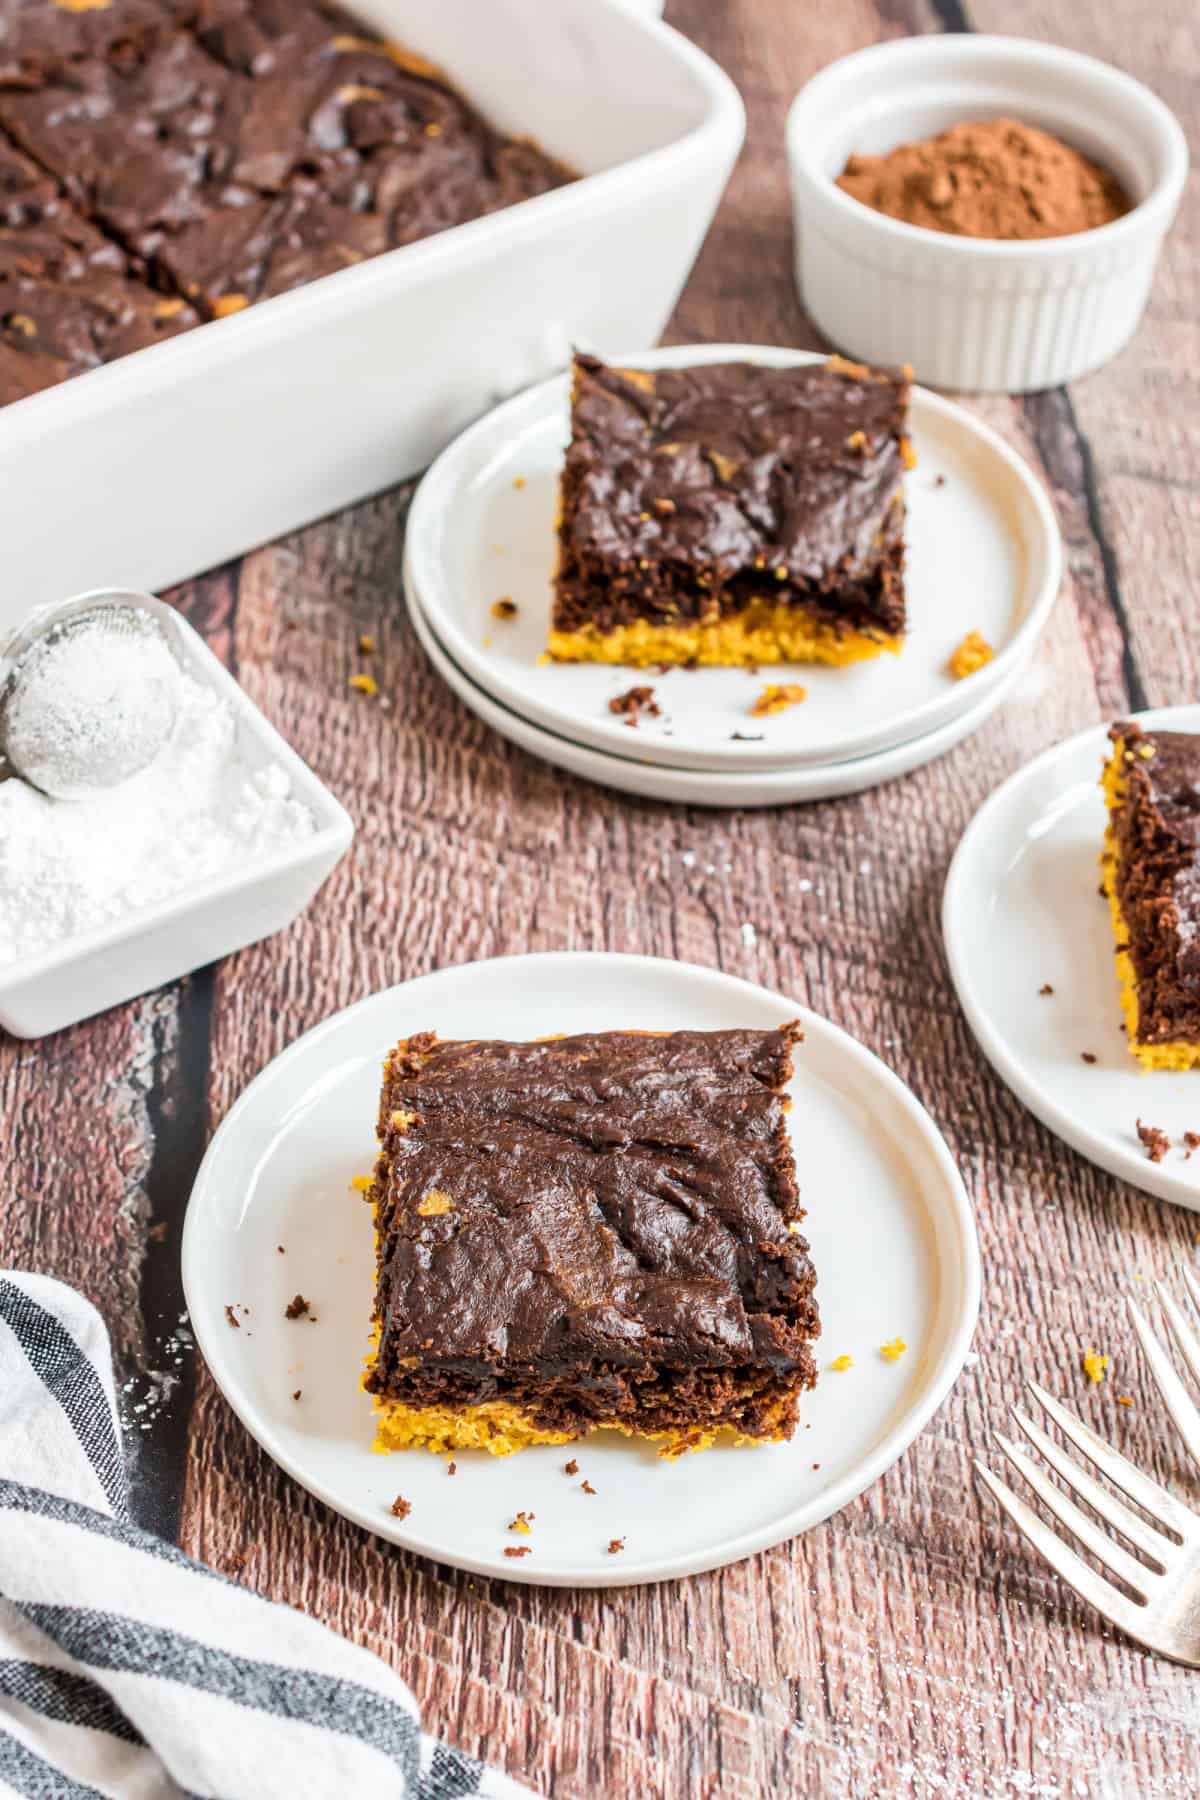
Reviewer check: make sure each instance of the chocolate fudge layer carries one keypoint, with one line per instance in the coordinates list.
(230, 150)
(1151, 867)
(37, 37)
(589, 1231)
(69, 298)
(732, 513)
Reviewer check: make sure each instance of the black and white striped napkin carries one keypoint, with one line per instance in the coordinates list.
(129, 1672)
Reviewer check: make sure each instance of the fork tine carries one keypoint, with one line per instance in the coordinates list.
(1076, 1521)
(1176, 1398)
(1062, 1559)
(1163, 1508)
(1181, 1330)
(1099, 1498)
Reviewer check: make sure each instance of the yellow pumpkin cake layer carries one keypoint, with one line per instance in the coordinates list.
(763, 632)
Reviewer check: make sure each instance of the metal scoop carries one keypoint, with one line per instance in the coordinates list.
(88, 694)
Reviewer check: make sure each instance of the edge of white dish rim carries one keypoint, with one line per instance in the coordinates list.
(1114, 1159)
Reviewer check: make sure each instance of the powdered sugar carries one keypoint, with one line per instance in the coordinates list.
(203, 806)
(92, 702)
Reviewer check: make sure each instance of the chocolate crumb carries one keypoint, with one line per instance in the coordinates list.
(281, 1249)
(400, 1507)
(296, 1308)
(1087, 1056)
(571, 1468)
(615, 1545)
(636, 703)
(587, 1487)
(504, 608)
(816, 1465)
(1157, 1142)
(297, 1393)
(233, 1318)
(747, 737)
(939, 481)
(1045, 988)
(517, 1550)
(452, 1468)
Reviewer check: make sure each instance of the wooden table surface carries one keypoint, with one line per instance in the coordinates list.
(910, 1646)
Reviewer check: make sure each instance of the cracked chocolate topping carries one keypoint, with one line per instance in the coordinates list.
(688, 492)
(594, 1227)
(223, 151)
(1156, 830)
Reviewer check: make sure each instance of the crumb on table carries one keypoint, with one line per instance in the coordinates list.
(523, 1523)
(972, 654)
(504, 608)
(296, 1308)
(400, 1507)
(571, 1468)
(842, 1363)
(1045, 988)
(233, 1318)
(893, 1350)
(516, 1550)
(1087, 1056)
(587, 1487)
(615, 1546)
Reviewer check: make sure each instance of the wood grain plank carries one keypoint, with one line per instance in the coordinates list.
(1139, 415)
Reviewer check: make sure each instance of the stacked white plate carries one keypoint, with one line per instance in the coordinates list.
(984, 555)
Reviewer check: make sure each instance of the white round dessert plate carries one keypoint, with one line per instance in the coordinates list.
(984, 554)
(694, 787)
(892, 1237)
(1022, 910)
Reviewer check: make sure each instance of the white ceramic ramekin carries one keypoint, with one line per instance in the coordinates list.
(968, 312)
(159, 943)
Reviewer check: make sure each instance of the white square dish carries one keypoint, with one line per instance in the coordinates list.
(144, 949)
(182, 455)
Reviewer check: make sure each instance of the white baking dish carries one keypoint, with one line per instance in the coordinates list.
(185, 454)
(159, 943)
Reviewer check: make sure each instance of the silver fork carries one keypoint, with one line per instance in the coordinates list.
(1165, 1615)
